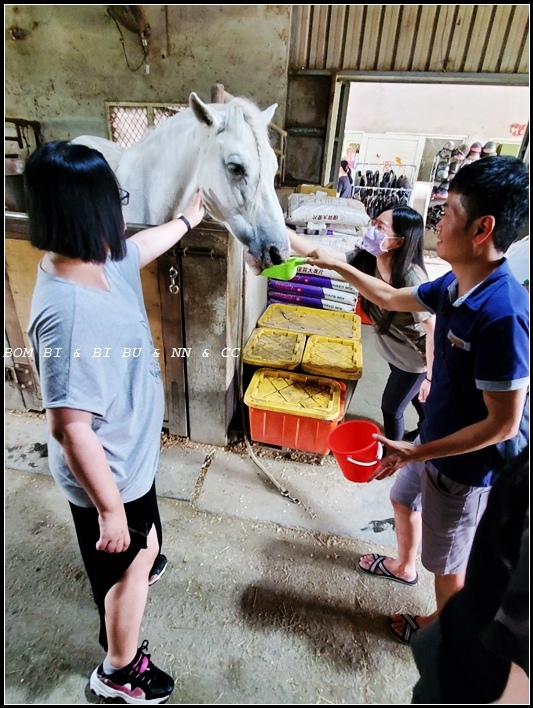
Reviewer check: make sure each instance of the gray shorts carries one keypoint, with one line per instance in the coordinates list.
(450, 514)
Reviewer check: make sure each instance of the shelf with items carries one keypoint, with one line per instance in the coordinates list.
(434, 214)
(378, 175)
(446, 163)
(381, 188)
(450, 159)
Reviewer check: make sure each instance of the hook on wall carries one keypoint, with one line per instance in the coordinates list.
(132, 18)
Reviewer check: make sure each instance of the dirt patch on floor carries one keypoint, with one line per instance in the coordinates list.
(240, 446)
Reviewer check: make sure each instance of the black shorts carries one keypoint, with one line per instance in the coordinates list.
(105, 569)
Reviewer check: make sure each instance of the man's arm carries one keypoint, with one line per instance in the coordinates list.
(504, 412)
(373, 289)
(88, 463)
(156, 240)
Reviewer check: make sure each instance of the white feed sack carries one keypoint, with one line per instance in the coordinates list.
(334, 212)
(336, 240)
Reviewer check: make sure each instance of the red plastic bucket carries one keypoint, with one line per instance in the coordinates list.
(356, 451)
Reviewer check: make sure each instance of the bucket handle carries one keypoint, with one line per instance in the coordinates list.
(369, 464)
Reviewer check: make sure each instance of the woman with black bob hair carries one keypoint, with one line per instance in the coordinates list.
(104, 404)
(95, 226)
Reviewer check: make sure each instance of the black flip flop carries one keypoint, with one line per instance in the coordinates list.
(411, 626)
(378, 565)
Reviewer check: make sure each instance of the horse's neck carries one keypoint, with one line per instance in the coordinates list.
(160, 171)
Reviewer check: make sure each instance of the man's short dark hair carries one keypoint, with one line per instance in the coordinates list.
(496, 186)
(73, 203)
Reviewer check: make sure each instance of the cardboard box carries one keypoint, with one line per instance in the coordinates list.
(315, 189)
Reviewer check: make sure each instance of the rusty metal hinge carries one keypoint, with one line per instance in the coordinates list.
(24, 377)
(200, 251)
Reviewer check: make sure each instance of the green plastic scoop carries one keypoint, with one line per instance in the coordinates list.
(284, 271)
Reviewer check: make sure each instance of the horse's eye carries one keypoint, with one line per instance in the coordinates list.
(236, 169)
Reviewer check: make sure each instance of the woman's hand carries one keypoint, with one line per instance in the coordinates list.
(114, 534)
(156, 240)
(424, 391)
(195, 210)
(324, 258)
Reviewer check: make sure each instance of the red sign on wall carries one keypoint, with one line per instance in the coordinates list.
(518, 129)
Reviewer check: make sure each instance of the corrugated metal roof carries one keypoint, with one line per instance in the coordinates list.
(488, 39)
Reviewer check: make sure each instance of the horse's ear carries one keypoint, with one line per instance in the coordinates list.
(202, 112)
(268, 113)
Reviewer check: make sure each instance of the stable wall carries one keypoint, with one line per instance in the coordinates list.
(195, 330)
(63, 62)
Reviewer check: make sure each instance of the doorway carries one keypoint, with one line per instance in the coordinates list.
(439, 112)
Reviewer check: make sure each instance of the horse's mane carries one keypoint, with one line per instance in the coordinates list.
(240, 108)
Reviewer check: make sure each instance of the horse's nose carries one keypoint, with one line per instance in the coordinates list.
(275, 255)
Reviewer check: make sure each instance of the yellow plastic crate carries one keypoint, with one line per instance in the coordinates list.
(279, 348)
(292, 393)
(328, 356)
(309, 320)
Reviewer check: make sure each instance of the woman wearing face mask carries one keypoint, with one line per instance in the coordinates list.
(393, 251)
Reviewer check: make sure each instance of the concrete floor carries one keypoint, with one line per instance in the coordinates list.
(261, 602)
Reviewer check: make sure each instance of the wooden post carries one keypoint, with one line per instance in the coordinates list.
(217, 93)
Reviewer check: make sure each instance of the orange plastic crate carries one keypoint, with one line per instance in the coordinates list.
(365, 319)
(293, 431)
(307, 431)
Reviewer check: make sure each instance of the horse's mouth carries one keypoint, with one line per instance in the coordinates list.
(275, 256)
(253, 263)
(270, 258)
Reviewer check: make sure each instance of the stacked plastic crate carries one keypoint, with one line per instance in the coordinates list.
(305, 356)
(307, 346)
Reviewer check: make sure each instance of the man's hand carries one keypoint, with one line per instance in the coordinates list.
(398, 454)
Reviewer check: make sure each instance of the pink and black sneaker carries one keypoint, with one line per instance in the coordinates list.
(140, 682)
(158, 568)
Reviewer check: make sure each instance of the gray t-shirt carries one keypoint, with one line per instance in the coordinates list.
(94, 352)
(404, 346)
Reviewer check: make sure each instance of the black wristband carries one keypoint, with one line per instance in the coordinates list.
(428, 380)
(185, 221)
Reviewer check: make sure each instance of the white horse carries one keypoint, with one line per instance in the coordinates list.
(224, 149)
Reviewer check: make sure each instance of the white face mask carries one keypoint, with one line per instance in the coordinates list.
(373, 241)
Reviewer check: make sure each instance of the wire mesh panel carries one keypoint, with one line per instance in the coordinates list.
(129, 122)
(161, 114)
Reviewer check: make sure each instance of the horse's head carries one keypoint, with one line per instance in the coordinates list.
(236, 172)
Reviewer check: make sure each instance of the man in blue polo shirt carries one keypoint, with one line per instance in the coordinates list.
(479, 380)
